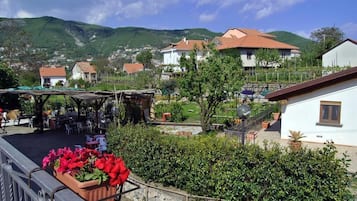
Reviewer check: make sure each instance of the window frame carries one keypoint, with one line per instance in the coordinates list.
(330, 121)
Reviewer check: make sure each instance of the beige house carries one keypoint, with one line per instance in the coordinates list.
(84, 70)
(247, 41)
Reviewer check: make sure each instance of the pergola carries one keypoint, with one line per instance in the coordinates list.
(78, 96)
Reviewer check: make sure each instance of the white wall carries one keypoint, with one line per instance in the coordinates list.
(172, 57)
(76, 73)
(343, 55)
(54, 80)
(302, 113)
(251, 62)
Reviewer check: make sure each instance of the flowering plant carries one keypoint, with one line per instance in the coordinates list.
(87, 164)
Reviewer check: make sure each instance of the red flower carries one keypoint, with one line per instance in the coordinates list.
(83, 161)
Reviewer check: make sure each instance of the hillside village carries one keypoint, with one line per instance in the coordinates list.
(187, 108)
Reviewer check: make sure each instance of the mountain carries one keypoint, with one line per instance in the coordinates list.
(293, 39)
(76, 39)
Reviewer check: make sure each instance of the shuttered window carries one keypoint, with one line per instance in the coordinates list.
(330, 112)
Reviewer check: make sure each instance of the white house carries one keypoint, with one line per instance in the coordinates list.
(84, 70)
(174, 51)
(343, 54)
(50, 76)
(247, 41)
(323, 109)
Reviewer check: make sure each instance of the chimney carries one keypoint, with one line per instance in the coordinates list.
(185, 40)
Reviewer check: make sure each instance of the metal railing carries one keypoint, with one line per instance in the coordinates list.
(21, 179)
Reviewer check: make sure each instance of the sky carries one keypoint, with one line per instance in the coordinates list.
(297, 16)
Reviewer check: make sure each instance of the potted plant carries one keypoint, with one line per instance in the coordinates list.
(87, 172)
(276, 112)
(295, 140)
(265, 124)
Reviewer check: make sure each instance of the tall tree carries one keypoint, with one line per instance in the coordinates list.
(209, 82)
(327, 37)
(145, 57)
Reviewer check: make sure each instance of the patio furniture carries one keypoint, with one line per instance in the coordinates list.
(68, 129)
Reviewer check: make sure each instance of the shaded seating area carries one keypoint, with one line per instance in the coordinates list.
(136, 102)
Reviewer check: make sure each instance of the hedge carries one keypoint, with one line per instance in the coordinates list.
(221, 167)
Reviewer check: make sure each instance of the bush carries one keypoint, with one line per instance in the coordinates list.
(174, 108)
(221, 167)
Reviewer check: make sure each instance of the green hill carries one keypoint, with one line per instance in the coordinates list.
(76, 38)
(293, 39)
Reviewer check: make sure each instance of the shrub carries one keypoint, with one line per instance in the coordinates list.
(220, 167)
(174, 108)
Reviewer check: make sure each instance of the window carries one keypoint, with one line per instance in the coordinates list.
(249, 55)
(283, 54)
(330, 112)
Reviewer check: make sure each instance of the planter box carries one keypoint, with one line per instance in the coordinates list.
(88, 190)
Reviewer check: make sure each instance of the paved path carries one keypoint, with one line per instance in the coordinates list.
(274, 136)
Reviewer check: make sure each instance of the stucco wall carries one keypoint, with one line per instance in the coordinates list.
(301, 113)
(343, 55)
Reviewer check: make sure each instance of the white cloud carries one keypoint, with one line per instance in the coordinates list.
(218, 3)
(207, 17)
(264, 8)
(23, 14)
(350, 30)
(125, 9)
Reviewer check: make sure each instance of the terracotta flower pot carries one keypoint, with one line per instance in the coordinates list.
(88, 190)
(276, 115)
(295, 146)
(265, 124)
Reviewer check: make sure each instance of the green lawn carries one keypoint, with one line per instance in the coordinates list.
(191, 111)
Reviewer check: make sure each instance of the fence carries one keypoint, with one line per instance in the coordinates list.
(22, 179)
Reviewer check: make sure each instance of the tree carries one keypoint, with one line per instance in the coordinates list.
(327, 37)
(145, 57)
(168, 87)
(267, 58)
(209, 82)
(8, 79)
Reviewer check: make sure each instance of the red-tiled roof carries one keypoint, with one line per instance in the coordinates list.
(133, 68)
(86, 67)
(52, 71)
(251, 41)
(312, 85)
(250, 32)
(186, 45)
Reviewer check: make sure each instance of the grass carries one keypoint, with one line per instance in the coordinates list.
(191, 111)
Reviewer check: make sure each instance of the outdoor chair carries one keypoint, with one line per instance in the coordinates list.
(68, 129)
(89, 126)
(79, 127)
(31, 120)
